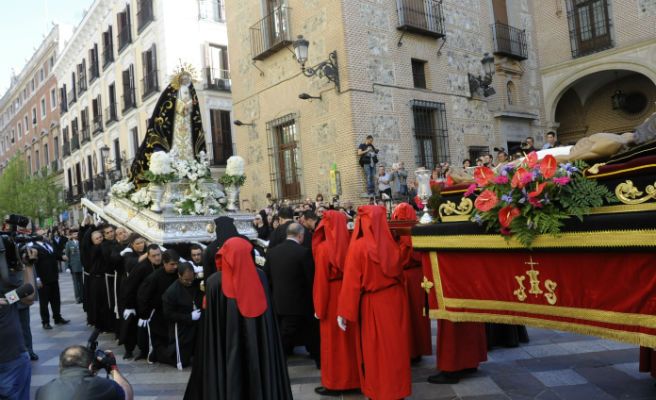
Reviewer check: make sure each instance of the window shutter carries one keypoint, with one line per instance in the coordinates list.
(153, 59)
(127, 22)
(144, 64)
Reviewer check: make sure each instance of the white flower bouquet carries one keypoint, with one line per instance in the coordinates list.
(198, 202)
(121, 188)
(193, 170)
(160, 168)
(141, 197)
(234, 174)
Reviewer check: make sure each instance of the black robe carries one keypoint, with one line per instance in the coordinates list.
(237, 358)
(149, 300)
(178, 302)
(99, 300)
(225, 229)
(128, 300)
(503, 335)
(87, 260)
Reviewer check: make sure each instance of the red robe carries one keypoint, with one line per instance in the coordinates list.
(420, 331)
(460, 345)
(339, 369)
(648, 360)
(373, 295)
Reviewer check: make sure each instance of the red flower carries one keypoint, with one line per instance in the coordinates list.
(483, 176)
(507, 214)
(521, 178)
(535, 202)
(532, 159)
(538, 190)
(486, 201)
(561, 181)
(548, 166)
(500, 180)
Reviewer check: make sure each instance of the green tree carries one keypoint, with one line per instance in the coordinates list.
(37, 197)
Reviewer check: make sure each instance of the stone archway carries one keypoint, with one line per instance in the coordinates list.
(585, 107)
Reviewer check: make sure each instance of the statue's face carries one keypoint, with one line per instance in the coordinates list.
(185, 79)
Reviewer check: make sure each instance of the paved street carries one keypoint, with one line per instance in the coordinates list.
(555, 366)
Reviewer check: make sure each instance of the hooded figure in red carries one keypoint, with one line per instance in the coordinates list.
(330, 243)
(420, 332)
(373, 302)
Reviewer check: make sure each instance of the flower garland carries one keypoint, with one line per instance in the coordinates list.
(199, 202)
(141, 197)
(122, 188)
(534, 197)
(193, 170)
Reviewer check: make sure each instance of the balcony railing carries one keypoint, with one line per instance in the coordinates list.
(54, 166)
(149, 84)
(424, 17)
(212, 9)
(145, 14)
(110, 112)
(99, 182)
(509, 41)
(108, 56)
(71, 96)
(81, 85)
(129, 100)
(66, 149)
(63, 106)
(86, 135)
(217, 79)
(88, 186)
(271, 33)
(75, 142)
(94, 72)
(97, 124)
(124, 38)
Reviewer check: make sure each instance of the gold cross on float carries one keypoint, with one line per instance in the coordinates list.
(534, 280)
(427, 285)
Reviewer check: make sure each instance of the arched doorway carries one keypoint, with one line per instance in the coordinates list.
(588, 105)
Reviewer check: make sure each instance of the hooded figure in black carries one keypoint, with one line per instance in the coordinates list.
(225, 229)
(239, 354)
(98, 299)
(159, 135)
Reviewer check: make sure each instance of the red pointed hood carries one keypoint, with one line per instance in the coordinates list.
(332, 229)
(404, 212)
(240, 280)
(382, 250)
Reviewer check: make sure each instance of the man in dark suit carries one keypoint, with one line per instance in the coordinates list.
(279, 235)
(291, 271)
(47, 282)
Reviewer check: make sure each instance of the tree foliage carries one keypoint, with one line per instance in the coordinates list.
(37, 197)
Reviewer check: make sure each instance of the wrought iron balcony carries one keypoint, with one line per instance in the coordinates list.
(88, 186)
(217, 79)
(54, 166)
(94, 71)
(149, 84)
(86, 135)
(509, 41)
(145, 14)
(99, 182)
(75, 142)
(81, 85)
(129, 100)
(271, 33)
(111, 113)
(63, 106)
(589, 30)
(71, 96)
(424, 17)
(97, 124)
(124, 38)
(108, 56)
(66, 149)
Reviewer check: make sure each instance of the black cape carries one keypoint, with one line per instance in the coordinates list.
(502, 335)
(178, 302)
(225, 229)
(100, 300)
(237, 358)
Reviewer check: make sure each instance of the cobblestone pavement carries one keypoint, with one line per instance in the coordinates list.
(555, 365)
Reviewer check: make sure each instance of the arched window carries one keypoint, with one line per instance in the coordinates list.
(510, 92)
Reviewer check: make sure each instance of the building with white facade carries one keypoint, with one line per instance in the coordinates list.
(113, 69)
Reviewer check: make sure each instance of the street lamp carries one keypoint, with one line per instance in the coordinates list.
(478, 82)
(328, 69)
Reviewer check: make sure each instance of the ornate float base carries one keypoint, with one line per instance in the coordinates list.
(167, 228)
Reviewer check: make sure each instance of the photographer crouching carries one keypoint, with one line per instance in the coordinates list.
(78, 366)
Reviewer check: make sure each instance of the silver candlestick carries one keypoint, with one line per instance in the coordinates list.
(424, 193)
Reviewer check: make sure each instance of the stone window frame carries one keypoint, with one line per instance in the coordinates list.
(273, 129)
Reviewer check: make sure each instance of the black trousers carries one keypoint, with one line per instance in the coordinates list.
(78, 286)
(24, 315)
(299, 329)
(49, 294)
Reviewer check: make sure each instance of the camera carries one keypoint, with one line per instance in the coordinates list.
(101, 360)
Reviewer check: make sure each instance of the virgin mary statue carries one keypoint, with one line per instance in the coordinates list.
(175, 126)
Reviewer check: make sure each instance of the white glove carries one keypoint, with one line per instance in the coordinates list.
(316, 316)
(142, 323)
(341, 322)
(195, 315)
(126, 251)
(162, 248)
(128, 312)
(198, 270)
(68, 270)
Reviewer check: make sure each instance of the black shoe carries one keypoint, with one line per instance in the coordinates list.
(141, 356)
(62, 321)
(445, 378)
(47, 325)
(33, 356)
(469, 370)
(128, 355)
(322, 391)
(415, 360)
